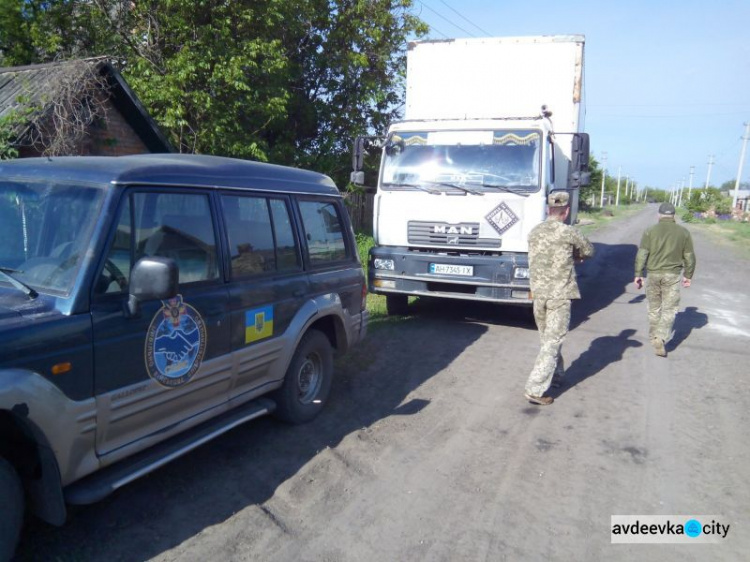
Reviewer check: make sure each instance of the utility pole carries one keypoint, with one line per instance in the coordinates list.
(645, 194)
(604, 175)
(710, 163)
(690, 187)
(628, 194)
(742, 161)
(617, 197)
(679, 196)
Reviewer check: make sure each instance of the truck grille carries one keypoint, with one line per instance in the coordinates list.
(447, 234)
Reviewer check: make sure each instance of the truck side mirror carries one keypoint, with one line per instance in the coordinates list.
(580, 179)
(579, 164)
(581, 152)
(358, 155)
(152, 278)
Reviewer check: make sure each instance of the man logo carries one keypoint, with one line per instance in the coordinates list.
(452, 229)
(453, 240)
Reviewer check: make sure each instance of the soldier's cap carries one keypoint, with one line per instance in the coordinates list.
(558, 199)
(666, 209)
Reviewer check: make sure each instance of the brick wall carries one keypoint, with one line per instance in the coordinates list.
(114, 137)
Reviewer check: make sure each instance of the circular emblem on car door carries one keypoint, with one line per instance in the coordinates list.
(175, 343)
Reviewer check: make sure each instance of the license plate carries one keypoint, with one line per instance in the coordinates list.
(447, 269)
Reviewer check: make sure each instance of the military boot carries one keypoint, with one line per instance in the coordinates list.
(659, 347)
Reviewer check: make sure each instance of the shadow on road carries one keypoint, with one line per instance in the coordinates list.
(603, 351)
(685, 322)
(247, 466)
(472, 311)
(603, 279)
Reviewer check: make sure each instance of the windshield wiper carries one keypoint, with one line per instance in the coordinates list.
(505, 189)
(453, 185)
(28, 291)
(423, 188)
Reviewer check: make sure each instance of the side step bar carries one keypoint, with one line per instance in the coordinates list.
(100, 484)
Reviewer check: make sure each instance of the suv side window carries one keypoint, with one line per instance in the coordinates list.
(261, 238)
(324, 231)
(170, 225)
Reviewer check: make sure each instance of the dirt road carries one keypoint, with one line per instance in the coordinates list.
(428, 450)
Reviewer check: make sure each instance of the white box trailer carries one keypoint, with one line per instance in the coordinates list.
(491, 126)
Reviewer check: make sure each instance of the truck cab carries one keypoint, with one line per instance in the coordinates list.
(464, 177)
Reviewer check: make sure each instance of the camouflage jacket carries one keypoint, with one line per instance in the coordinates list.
(666, 247)
(552, 246)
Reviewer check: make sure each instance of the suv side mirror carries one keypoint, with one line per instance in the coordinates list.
(152, 278)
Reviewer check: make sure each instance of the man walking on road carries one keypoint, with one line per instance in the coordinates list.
(666, 249)
(553, 247)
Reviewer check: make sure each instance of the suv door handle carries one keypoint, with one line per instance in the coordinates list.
(299, 292)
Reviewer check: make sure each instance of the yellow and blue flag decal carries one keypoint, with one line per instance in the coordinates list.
(258, 323)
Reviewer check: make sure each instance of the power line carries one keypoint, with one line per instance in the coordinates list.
(487, 33)
(446, 19)
(672, 116)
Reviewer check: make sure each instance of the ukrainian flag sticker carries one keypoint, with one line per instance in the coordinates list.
(258, 324)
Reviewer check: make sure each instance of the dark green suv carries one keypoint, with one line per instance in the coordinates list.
(150, 303)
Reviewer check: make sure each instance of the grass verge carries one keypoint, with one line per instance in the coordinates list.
(732, 233)
(594, 219)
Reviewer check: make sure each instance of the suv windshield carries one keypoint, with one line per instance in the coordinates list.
(486, 161)
(44, 232)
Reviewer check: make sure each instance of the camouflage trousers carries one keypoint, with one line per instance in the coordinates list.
(553, 320)
(663, 295)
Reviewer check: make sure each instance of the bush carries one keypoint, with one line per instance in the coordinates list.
(364, 243)
(724, 207)
(689, 216)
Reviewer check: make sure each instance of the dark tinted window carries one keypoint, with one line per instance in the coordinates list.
(260, 234)
(324, 231)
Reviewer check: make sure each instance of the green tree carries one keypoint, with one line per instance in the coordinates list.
(287, 81)
(729, 185)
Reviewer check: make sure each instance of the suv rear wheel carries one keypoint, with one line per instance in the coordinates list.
(11, 514)
(308, 380)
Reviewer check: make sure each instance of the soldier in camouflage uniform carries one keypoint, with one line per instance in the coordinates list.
(666, 249)
(553, 248)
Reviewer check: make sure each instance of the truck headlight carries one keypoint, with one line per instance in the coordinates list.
(380, 263)
(521, 273)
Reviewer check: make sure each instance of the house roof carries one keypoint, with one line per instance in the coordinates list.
(22, 86)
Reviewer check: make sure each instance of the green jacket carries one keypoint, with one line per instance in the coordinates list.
(666, 247)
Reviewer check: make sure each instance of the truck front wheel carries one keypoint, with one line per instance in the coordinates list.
(11, 514)
(397, 305)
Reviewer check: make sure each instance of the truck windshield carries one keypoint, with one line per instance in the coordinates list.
(45, 230)
(485, 161)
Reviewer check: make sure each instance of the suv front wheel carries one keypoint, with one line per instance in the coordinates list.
(11, 513)
(308, 380)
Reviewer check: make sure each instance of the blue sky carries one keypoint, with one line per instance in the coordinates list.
(667, 82)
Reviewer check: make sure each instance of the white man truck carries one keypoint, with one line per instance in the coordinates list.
(465, 176)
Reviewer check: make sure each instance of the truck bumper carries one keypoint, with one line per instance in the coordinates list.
(482, 278)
